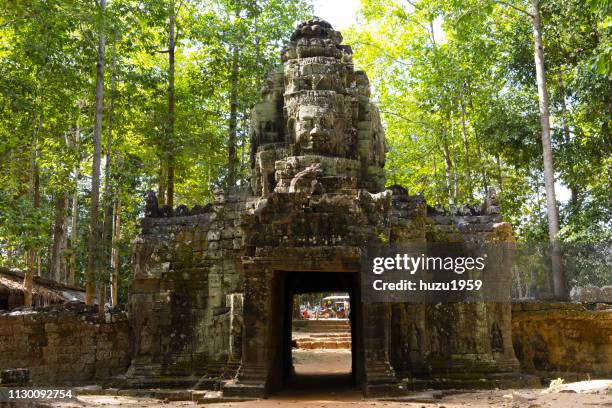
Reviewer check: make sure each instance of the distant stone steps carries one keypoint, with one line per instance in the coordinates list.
(335, 335)
(306, 344)
(323, 341)
(321, 326)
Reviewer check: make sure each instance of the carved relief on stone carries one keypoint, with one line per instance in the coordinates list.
(378, 146)
(314, 74)
(266, 116)
(490, 205)
(316, 104)
(320, 123)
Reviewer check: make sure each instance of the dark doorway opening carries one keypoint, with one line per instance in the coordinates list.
(318, 372)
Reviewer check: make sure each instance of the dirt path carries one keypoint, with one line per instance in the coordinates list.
(352, 399)
(312, 389)
(322, 361)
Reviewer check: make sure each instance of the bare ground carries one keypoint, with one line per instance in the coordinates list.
(312, 389)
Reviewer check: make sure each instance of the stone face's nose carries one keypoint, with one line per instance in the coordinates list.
(316, 130)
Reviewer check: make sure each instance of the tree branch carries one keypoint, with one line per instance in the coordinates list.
(178, 8)
(403, 117)
(504, 3)
(387, 53)
(11, 22)
(413, 4)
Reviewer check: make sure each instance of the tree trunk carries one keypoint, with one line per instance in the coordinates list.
(73, 240)
(28, 278)
(549, 173)
(32, 255)
(467, 152)
(500, 177)
(233, 119)
(481, 164)
(568, 140)
(161, 191)
(34, 191)
(101, 298)
(483, 169)
(64, 244)
(108, 199)
(75, 211)
(448, 167)
(115, 252)
(171, 117)
(243, 163)
(59, 236)
(93, 264)
(453, 159)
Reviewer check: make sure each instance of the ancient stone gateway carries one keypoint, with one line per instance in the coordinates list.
(210, 298)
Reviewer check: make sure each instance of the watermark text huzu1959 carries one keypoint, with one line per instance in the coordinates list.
(434, 273)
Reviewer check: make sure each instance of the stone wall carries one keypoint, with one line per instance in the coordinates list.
(64, 347)
(184, 295)
(460, 343)
(562, 338)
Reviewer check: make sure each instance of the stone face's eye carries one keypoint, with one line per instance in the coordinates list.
(303, 115)
(305, 121)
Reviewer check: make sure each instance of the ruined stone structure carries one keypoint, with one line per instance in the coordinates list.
(211, 293)
(565, 340)
(64, 344)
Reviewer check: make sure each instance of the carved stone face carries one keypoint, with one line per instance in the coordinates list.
(317, 129)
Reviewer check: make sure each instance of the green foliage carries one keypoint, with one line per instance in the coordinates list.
(430, 59)
(47, 99)
(436, 68)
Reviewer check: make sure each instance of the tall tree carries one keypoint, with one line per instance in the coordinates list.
(560, 290)
(108, 225)
(115, 252)
(94, 261)
(179, 106)
(74, 143)
(171, 115)
(59, 236)
(232, 159)
(466, 147)
(34, 182)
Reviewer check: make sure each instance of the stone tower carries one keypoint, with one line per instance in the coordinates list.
(316, 108)
(211, 293)
(318, 151)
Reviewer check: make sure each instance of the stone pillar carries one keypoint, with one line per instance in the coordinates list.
(252, 377)
(148, 310)
(380, 377)
(235, 302)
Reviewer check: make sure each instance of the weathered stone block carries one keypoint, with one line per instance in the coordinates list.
(55, 345)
